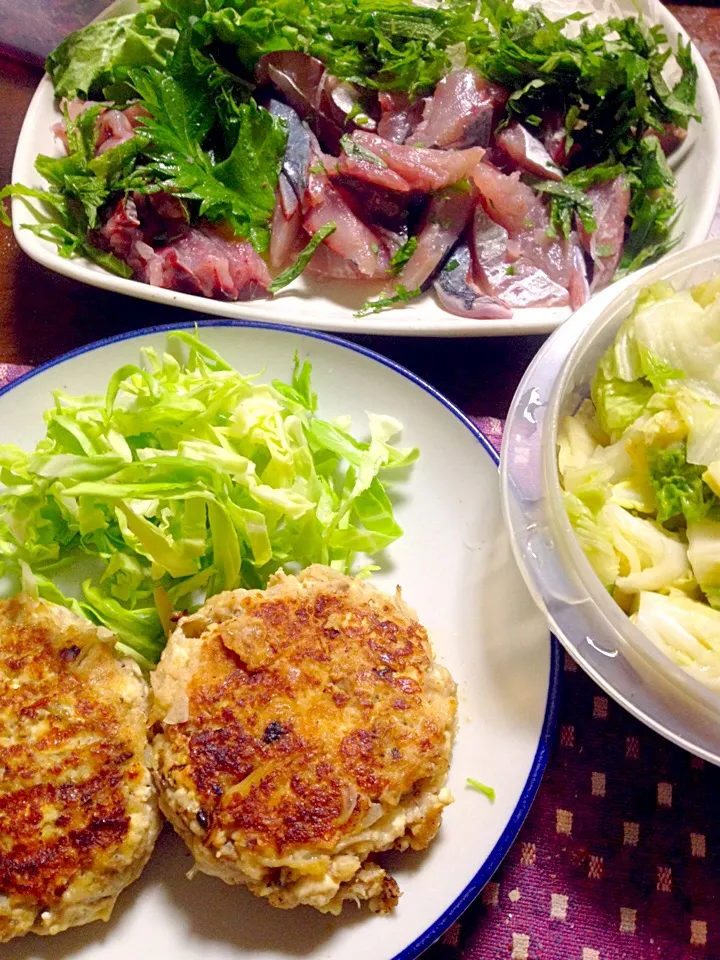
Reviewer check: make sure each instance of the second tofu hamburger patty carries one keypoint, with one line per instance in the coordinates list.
(78, 812)
(298, 730)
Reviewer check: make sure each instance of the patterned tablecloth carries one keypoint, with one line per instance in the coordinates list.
(618, 859)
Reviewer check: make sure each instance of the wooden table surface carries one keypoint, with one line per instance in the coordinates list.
(42, 315)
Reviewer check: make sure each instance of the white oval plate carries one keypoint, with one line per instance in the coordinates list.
(455, 567)
(332, 306)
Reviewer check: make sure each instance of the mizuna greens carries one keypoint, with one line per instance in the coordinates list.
(640, 468)
(187, 478)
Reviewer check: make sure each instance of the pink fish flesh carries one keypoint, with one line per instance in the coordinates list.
(328, 266)
(374, 171)
(284, 234)
(555, 138)
(527, 152)
(502, 271)
(515, 206)
(112, 127)
(448, 215)
(578, 286)
(423, 170)
(152, 236)
(461, 112)
(610, 202)
(327, 103)
(399, 116)
(352, 239)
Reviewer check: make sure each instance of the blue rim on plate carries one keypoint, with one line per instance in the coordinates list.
(497, 854)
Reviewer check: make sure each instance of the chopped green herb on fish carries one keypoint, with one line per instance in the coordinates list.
(402, 255)
(401, 295)
(223, 125)
(303, 258)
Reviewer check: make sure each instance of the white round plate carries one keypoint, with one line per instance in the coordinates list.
(455, 567)
(332, 306)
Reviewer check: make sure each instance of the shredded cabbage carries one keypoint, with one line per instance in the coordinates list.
(187, 478)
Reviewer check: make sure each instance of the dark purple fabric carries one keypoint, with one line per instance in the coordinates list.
(11, 371)
(492, 428)
(618, 859)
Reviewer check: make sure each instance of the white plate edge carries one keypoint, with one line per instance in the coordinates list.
(389, 323)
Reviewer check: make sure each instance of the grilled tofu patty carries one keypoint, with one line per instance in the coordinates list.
(78, 811)
(298, 730)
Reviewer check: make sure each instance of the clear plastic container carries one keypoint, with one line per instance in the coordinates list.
(580, 612)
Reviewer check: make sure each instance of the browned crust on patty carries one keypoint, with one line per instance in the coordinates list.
(72, 764)
(309, 706)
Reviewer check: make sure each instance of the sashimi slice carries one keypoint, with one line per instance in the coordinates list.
(352, 239)
(448, 215)
(527, 152)
(284, 234)
(399, 116)
(610, 201)
(502, 271)
(461, 112)
(423, 170)
(457, 292)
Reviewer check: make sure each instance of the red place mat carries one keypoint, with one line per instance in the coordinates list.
(618, 859)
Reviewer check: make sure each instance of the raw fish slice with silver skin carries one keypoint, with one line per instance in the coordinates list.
(286, 197)
(352, 239)
(325, 265)
(329, 104)
(285, 233)
(515, 207)
(462, 112)
(508, 201)
(399, 116)
(378, 206)
(292, 186)
(300, 78)
(347, 105)
(448, 214)
(610, 202)
(527, 152)
(295, 75)
(423, 170)
(457, 292)
(578, 287)
(512, 279)
(298, 153)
